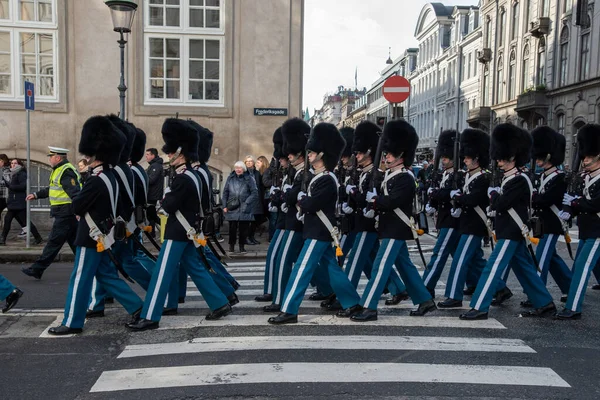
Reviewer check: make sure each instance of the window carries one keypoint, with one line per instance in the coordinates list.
(515, 21)
(527, 13)
(184, 52)
(512, 68)
(564, 54)
(545, 8)
(39, 176)
(501, 28)
(488, 34)
(469, 66)
(560, 119)
(500, 82)
(526, 75)
(584, 64)
(28, 48)
(567, 5)
(486, 84)
(541, 64)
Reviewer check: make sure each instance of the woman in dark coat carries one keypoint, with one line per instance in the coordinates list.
(239, 197)
(15, 203)
(258, 208)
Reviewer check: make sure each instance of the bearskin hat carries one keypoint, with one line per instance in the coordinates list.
(178, 133)
(102, 140)
(205, 138)
(511, 142)
(548, 144)
(348, 135)
(445, 144)
(295, 132)
(588, 140)
(278, 144)
(325, 138)
(400, 139)
(475, 143)
(139, 145)
(129, 132)
(366, 138)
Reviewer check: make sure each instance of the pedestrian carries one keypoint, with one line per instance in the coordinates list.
(257, 205)
(64, 186)
(156, 183)
(239, 198)
(4, 178)
(82, 167)
(16, 203)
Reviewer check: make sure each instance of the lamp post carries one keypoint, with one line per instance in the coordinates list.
(122, 13)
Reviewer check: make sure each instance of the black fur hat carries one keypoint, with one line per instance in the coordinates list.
(278, 144)
(102, 140)
(548, 144)
(129, 132)
(445, 144)
(295, 133)
(475, 143)
(205, 141)
(366, 137)
(139, 145)
(588, 140)
(178, 133)
(348, 135)
(511, 142)
(400, 139)
(325, 138)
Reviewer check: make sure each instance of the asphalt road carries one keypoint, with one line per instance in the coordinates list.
(323, 357)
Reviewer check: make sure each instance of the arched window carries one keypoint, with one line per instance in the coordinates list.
(501, 27)
(560, 123)
(500, 82)
(486, 84)
(515, 21)
(526, 73)
(584, 62)
(564, 54)
(540, 78)
(512, 70)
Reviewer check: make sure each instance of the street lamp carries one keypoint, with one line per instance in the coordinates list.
(122, 13)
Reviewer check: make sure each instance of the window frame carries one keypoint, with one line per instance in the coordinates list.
(526, 72)
(512, 76)
(584, 63)
(515, 21)
(563, 57)
(502, 30)
(500, 80)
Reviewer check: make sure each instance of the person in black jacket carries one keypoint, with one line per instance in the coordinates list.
(16, 203)
(257, 205)
(96, 207)
(472, 200)
(510, 147)
(4, 178)
(317, 209)
(156, 182)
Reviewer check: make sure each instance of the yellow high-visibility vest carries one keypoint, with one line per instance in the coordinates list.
(57, 194)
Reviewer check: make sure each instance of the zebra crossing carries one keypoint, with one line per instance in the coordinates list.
(320, 350)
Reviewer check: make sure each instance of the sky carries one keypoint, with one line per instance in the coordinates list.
(341, 36)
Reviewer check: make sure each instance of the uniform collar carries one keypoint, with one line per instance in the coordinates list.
(320, 170)
(367, 168)
(97, 170)
(181, 169)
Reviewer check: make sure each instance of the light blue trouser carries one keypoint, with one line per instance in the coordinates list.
(445, 246)
(317, 254)
(6, 287)
(172, 254)
(550, 261)
(588, 254)
(393, 252)
(362, 255)
(218, 266)
(287, 255)
(467, 258)
(347, 243)
(321, 277)
(217, 277)
(270, 280)
(515, 253)
(90, 264)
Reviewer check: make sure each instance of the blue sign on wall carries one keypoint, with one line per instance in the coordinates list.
(29, 96)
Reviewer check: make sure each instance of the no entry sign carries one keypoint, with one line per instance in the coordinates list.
(396, 89)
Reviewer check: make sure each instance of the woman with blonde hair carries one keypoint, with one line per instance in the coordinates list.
(258, 210)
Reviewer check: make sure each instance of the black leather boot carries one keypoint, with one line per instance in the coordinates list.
(469, 291)
(12, 299)
(272, 308)
(284, 318)
(349, 312)
(547, 310)
(424, 308)
(219, 312)
(264, 297)
(365, 315)
(501, 296)
(329, 301)
(94, 314)
(450, 303)
(233, 299)
(397, 298)
(567, 314)
(474, 314)
(63, 330)
(142, 325)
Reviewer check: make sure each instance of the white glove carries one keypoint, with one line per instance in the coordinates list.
(371, 196)
(167, 190)
(454, 193)
(455, 212)
(272, 208)
(430, 190)
(429, 210)
(286, 188)
(300, 216)
(492, 190)
(347, 209)
(350, 189)
(565, 216)
(368, 214)
(284, 208)
(273, 190)
(301, 195)
(568, 199)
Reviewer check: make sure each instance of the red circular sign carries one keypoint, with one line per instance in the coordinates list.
(396, 89)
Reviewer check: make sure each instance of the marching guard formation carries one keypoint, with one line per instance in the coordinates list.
(346, 205)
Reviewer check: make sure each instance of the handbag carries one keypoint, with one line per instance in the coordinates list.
(233, 203)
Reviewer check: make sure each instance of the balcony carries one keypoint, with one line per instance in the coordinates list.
(479, 118)
(533, 105)
(484, 56)
(540, 27)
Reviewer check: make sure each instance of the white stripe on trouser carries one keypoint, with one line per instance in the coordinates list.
(286, 249)
(76, 286)
(492, 274)
(584, 274)
(356, 256)
(299, 274)
(93, 300)
(459, 266)
(161, 274)
(386, 254)
(272, 262)
(438, 256)
(545, 254)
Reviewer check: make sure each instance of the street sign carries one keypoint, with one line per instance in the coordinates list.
(277, 112)
(29, 96)
(396, 89)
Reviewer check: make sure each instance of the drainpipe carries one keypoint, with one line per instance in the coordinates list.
(493, 74)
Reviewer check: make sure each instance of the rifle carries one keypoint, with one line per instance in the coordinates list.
(343, 220)
(495, 181)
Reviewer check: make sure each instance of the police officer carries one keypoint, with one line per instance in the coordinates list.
(96, 206)
(586, 206)
(182, 202)
(472, 200)
(64, 186)
(393, 204)
(317, 208)
(511, 147)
